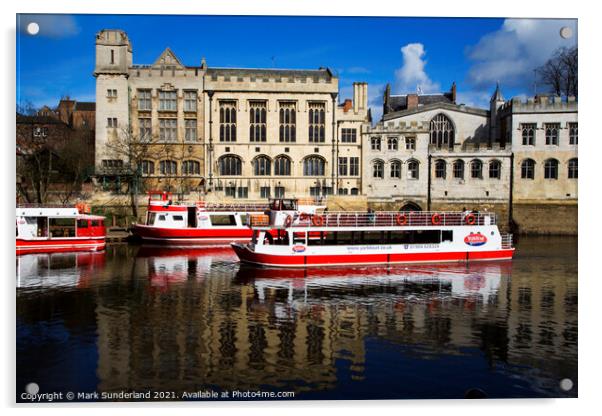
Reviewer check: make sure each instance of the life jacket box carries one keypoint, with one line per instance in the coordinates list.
(259, 220)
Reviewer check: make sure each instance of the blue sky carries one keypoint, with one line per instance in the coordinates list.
(405, 52)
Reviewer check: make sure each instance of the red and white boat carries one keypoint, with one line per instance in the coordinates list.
(199, 223)
(348, 238)
(58, 229)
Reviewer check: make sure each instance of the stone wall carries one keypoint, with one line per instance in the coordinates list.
(547, 218)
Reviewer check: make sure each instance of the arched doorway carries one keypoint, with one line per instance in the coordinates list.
(410, 206)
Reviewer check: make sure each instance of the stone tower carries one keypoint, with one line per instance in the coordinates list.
(496, 101)
(113, 60)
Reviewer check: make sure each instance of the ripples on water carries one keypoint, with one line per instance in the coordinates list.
(137, 318)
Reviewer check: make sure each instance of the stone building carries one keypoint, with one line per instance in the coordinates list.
(233, 132)
(430, 152)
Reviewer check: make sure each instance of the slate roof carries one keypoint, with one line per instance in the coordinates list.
(400, 102)
(85, 106)
(263, 72)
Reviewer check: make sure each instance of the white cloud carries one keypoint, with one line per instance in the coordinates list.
(510, 54)
(412, 75)
(51, 25)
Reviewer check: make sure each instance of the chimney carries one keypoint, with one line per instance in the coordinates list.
(453, 92)
(347, 105)
(412, 101)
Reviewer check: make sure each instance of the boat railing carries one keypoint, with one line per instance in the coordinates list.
(394, 218)
(506, 241)
(214, 206)
(38, 205)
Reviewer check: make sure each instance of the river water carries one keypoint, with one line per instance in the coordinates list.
(138, 319)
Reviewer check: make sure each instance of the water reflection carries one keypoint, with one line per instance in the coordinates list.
(185, 320)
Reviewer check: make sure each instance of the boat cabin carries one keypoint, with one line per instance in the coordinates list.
(35, 223)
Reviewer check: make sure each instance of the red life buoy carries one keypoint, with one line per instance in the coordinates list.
(317, 220)
(401, 219)
(288, 221)
(436, 219)
(470, 219)
(304, 216)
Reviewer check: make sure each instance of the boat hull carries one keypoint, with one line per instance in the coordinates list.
(192, 236)
(59, 245)
(247, 255)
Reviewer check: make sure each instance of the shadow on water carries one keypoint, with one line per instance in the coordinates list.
(136, 317)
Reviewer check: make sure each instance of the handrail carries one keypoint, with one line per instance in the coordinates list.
(506, 241)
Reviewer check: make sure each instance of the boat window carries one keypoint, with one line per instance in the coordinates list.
(62, 227)
(151, 218)
(378, 237)
(447, 235)
(298, 238)
(243, 219)
(161, 217)
(178, 218)
(96, 223)
(289, 204)
(223, 220)
(82, 223)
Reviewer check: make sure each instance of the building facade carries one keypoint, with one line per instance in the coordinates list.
(232, 132)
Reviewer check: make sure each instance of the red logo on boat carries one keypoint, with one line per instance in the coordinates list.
(298, 249)
(475, 240)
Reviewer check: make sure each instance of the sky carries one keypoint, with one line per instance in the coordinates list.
(410, 54)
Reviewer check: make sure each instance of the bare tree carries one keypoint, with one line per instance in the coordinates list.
(559, 72)
(133, 151)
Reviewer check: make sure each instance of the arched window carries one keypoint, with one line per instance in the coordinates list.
(262, 166)
(147, 167)
(440, 169)
(230, 165)
(168, 167)
(191, 167)
(282, 166)
(314, 166)
(413, 166)
(573, 169)
(396, 169)
(378, 167)
(355, 191)
(476, 169)
(392, 143)
(442, 131)
(495, 169)
(550, 169)
(375, 143)
(459, 169)
(527, 169)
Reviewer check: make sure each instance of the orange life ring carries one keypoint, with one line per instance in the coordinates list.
(401, 219)
(304, 216)
(470, 219)
(317, 220)
(436, 219)
(288, 221)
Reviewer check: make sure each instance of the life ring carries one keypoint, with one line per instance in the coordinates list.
(401, 219)
(317, 220)
(304, 216)
(436, 219)
(288, 221)
(470, 219)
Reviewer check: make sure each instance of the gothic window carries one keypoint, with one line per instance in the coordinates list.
(377, 169)
(354, 166)
(410, 143)
(112, 122)
(147, 167)
(375, 143)
(191, 167)
(190, 100)
(442, 131)
(527, 169)
(573, 133)
(227, 121)
(349, 135)
(476, 169)
(168, 167)
(144, 100)
(550, 169)
(257, 121)
(282, 166)
(573, 168)
(528, 133)
(392, 143)
(459, 169)
(343, 166)
(552, 133)
(145, 129)
(396, 169)
(413, 169)
(168, 129)
(190, 133)
(495, 169)
(314, 166)
(230, 165)
(440, 168)
(288, 121)
(262, 166)
(168, 101)
(317, 122)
